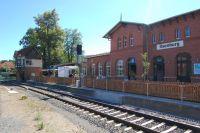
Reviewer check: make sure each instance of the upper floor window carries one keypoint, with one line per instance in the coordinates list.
(161, 37)
(18, 62)
(100, 70)
(131, 40)
(187, 31)
(153, 38)
(124, 41)
(108, 67)
(120, 68)
(178, 33)
(28, 62)
(119, 42)
(93, 69)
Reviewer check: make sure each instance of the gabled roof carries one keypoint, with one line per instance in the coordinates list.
(109, 33)
(28, 52)
(119, 24)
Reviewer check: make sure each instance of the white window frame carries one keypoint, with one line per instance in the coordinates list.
(84, 71)
(108, 69)
(178, 33)
(161, 37)
(100, 70)
(119, 43)
(131, 40)
(154, 38)
(93, 69)
(124, 41)
(120, 68)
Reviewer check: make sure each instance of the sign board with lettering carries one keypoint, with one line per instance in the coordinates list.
(197, 68)
(170, 45)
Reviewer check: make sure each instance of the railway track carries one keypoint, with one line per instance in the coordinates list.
(115, 114)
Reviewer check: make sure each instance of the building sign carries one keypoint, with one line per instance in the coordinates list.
(170, 45)
(197, 68)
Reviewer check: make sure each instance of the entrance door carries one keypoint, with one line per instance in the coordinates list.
(183, 67)
(131, 69)
(159, 68)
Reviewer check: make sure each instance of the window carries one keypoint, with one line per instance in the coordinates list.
(178, 33)
(153, 38)
(161, 37)
(18, 62)
(119, 43)
(28, 62)
(108, 67)
(93, 69)
(23, 62)
(131, 40)
(120, 68)
(100, 70)
(84, 71)
(187, 31)
(124, 41)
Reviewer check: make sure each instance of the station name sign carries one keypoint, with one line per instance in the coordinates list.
(170, 45)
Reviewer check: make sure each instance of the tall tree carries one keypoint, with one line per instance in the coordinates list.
(72, 38)
(47, 36)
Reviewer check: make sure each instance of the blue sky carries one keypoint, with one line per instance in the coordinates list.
(93, 18)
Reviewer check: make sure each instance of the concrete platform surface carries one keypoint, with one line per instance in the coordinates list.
(178, 108)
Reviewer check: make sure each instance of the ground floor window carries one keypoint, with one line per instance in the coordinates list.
(84, 71)
(100, 70)
(93, 69)
(159, 68)
(183, 67)
(120, 68)
(108, 69)
(131, 68)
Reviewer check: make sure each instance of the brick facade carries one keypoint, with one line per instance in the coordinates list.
(173, 66)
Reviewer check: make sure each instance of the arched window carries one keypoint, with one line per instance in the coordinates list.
(131, 68)
(120, 68)
(108, 67)
(93, 69)
(100, 70)
(187, 31)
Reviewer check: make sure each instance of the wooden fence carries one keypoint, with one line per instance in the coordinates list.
(175, 90)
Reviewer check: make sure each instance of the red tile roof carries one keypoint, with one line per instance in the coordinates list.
(9, 64)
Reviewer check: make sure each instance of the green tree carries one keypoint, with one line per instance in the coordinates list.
(72, 38)
(46, 36)
(146, 65)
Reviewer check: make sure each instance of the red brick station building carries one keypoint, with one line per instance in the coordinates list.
(173, 47)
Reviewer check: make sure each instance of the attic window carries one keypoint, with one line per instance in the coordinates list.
(119, 42)
(124, 41)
